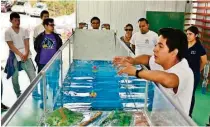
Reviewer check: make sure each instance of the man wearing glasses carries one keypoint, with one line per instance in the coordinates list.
(144, 41)
(46, 44)
(95, 22)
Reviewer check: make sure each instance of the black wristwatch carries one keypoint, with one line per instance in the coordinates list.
(137, 72)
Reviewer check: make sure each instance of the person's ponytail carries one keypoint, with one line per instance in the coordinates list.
(198, 40)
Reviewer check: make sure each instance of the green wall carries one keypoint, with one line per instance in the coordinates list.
(159, 20)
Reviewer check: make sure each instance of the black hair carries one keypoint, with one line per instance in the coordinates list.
(14, 15)
(176, 39)
(129, 25)
(95, 18)
(143, 19)
(47, 21)
(104, 25)
(44, 12)
(82, 23)
(194, 30)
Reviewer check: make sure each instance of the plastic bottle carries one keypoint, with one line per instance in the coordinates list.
(205, 81)
(206, 70)
(204, 85)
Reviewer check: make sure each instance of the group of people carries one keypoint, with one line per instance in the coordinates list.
(176, 60)
(95, 24)
(46, 44)
(140, 42)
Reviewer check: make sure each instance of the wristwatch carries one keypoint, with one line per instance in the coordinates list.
(137, 72)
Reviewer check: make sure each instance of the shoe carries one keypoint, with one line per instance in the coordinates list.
(37, 96)
(18, 95)
(4, 107)
(41, 105)
(42, 97)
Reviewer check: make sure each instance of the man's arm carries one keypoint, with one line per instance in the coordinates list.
(26, 43)
(142, 59)
(168, 80)
(127, 60)
(35, 33)
(36, 43)
(15, 50)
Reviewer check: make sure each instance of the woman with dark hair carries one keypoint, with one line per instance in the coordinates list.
(196, 58)
(128, 34)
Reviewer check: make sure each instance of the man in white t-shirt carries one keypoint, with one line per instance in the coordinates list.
(168, 66)
(144, 41)
(95, 23)
(17, 39)
(40, 28)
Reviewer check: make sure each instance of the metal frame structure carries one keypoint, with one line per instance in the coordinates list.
(11, 112)
(187, 118)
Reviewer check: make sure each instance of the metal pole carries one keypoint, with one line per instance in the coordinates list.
(20, 101)
(61, 68)
(69, 52)
(76, 10)
(45, 94)
(115, 39)
(177, 107)
(146, 96)
(62, 78)
(17, 105)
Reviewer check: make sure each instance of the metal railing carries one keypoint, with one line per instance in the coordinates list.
(20, 101)
(11, 112)
(17, 105)
(186, 117)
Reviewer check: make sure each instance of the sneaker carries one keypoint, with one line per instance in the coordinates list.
(41, 105)
(4, 107)
(36, 96)
(18, 95)
(46, 97)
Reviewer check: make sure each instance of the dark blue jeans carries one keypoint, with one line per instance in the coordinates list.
(52, 77)
(196, 82)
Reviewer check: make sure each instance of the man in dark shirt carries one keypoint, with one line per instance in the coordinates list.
(46, 45)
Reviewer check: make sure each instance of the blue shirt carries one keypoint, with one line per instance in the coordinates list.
(194, 56)
(10, 68)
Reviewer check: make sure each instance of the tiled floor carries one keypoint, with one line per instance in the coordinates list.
(201, 111)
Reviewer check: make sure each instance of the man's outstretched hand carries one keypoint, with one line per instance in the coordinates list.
(130, 70)
(123, 61)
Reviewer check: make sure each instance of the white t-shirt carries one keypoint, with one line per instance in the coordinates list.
(17, 39)
(186, 81)
(38, 29)
(144, 43)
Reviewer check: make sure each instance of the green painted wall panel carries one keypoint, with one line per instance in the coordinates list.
(159, 20)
